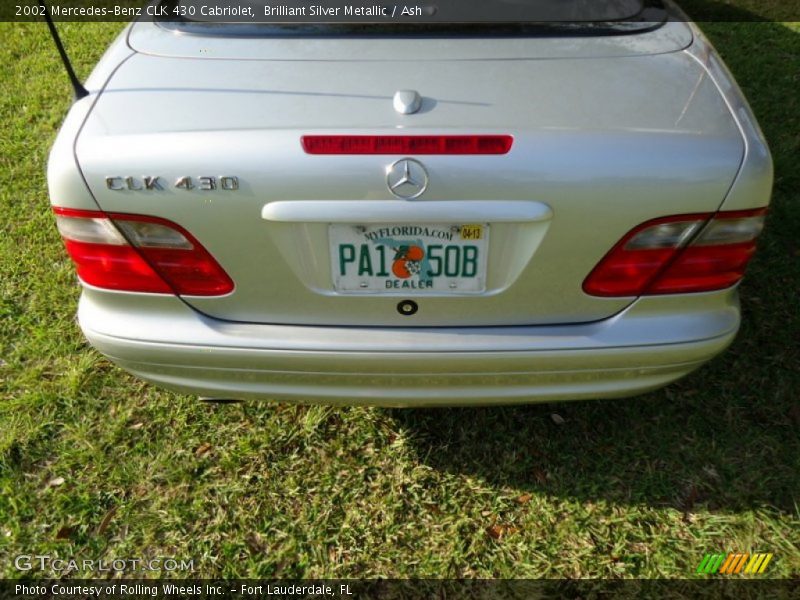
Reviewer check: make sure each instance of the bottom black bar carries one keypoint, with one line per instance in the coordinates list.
(390, 589)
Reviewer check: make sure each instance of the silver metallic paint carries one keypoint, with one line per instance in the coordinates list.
(608, 132)
(592, 153)
(653, 342)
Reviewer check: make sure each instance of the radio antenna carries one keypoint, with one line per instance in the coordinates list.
(78, 90)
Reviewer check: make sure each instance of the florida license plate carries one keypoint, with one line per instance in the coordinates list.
(418, 259)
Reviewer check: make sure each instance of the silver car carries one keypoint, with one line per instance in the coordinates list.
(411, 213)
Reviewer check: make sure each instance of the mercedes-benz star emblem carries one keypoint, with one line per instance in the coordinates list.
(407, 178)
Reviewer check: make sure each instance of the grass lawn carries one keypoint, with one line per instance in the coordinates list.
(94, 463)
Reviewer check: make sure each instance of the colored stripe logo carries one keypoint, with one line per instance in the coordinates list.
(734, 563)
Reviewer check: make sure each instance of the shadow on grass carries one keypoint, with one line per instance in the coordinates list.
(727, 436)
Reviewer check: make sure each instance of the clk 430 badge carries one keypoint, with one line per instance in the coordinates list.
(149, 183)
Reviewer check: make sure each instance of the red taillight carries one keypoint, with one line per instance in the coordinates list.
(679, 254)
(407, 144)
(138, 253)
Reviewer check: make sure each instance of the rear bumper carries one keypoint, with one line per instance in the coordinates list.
(653, 342)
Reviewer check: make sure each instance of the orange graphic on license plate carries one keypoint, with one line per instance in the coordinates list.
(407, 261)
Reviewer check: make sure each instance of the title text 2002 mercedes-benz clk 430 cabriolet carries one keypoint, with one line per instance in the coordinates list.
(502, 208)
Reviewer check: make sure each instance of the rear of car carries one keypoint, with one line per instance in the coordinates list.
(564, 214)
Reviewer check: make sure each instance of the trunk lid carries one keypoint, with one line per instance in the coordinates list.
(608, 132)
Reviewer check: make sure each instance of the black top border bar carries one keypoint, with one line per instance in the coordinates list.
(434, 13)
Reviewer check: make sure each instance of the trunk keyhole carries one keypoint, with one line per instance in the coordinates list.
(407, 307)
